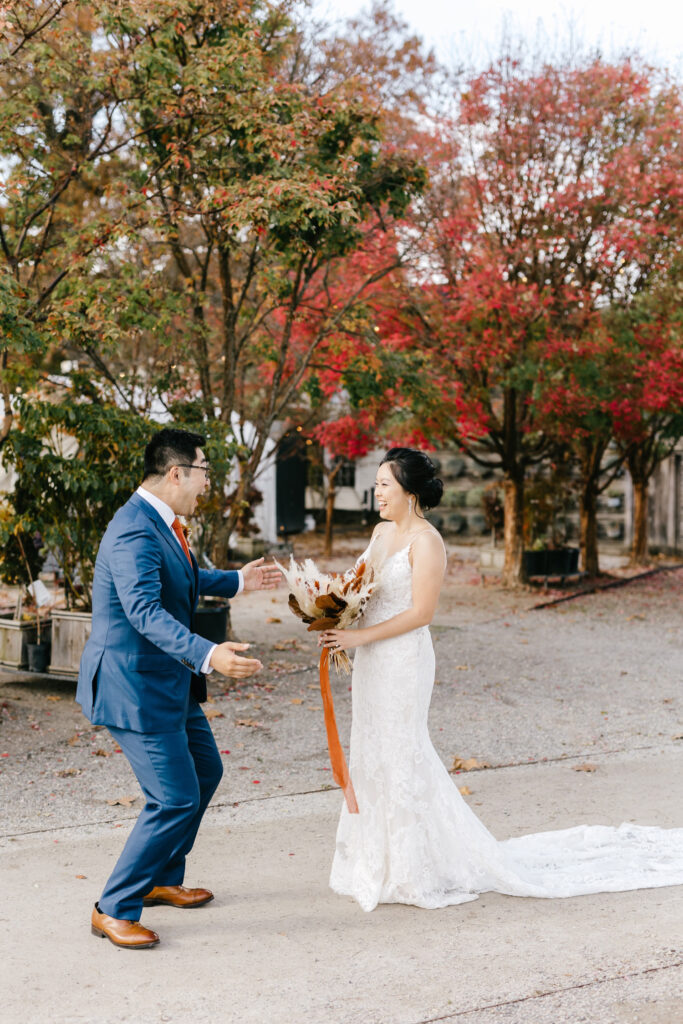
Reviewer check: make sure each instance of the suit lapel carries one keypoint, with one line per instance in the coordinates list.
(167, 538)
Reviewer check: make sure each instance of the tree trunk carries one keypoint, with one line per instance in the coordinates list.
(329, 508)
(513, 491)
(222, 526)
(639, 546)
(6, 402)
(588, 516)
(591, 452)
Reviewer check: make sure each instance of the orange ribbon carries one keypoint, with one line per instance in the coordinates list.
(340, 772)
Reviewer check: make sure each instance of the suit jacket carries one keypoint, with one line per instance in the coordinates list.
(138, 663)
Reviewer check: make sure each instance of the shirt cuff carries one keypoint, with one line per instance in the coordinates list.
(240, 585)
(207, 669)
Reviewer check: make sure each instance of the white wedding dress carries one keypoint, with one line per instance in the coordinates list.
(415, 839)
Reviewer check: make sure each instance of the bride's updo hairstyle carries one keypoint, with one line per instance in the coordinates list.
(416, 473)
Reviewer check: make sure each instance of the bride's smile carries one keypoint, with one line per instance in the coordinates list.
(392, 501)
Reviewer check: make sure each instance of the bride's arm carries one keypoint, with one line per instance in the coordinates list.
(429, 566)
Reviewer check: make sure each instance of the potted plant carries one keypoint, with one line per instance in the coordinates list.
(38, 651)
(22, 636)
(545, 526)
(76, 462)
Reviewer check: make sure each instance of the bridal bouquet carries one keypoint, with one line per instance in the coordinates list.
(331, 601)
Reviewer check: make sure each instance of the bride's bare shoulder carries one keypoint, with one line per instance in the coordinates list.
(381, 528)
(429, 542)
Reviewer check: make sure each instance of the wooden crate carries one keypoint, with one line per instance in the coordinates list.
(14, 635)
(70, 630)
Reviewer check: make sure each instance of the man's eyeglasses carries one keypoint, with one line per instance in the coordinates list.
(194, 465)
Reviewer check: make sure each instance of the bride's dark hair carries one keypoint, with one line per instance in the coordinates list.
(416, 473)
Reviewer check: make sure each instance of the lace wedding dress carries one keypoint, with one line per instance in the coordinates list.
(415, 839)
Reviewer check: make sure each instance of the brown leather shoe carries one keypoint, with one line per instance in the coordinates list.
(177, 896)
(127, 934)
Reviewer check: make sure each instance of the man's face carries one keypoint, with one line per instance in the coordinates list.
(190, 484)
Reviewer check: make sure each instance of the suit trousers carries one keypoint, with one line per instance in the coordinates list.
(178, 773)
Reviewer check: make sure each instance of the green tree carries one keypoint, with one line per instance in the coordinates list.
(180, 208)
(76, 462)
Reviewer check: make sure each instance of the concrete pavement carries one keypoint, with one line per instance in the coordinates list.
(277, 946)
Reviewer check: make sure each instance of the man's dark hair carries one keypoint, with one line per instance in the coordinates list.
(171, 448)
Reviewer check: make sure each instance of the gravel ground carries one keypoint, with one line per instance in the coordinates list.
(514, 685)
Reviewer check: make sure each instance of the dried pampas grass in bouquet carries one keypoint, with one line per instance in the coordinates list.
(329, 600)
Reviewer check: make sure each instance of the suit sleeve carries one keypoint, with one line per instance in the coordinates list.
(135, 566)
(219, 582)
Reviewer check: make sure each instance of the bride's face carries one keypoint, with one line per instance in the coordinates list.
(392, 500)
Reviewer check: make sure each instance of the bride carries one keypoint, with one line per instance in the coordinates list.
(415, 840)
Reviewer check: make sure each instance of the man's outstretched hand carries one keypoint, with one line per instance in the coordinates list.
(225, 661)
(258, 576)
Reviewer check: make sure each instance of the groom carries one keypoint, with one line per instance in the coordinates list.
(142, 675)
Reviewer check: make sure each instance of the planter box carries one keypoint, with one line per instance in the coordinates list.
(70, 630)
(535, 562)
(551, 562)
(492, 558)
(14, 635)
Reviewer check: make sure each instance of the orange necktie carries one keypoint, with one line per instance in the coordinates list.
(177, 528)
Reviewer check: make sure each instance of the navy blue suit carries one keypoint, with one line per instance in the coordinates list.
(136, 678)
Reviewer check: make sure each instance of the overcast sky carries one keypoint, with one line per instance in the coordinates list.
(472, 28)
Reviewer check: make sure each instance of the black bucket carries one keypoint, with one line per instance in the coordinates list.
(211, 622)
(38, 656)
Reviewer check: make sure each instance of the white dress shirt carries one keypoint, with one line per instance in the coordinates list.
(169, 516)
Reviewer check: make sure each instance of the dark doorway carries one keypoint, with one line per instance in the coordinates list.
(290, 485)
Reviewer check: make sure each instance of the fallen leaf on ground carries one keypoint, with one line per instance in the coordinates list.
(100, 752)
(66, 772)
(214, 713)
(273, 618)
(314, 707)
(469, 764)
(293, 644)
(585, 767)
(251, 722)
(73, 740)
(122, 801)
(464, 790)
(296, 700)
(677, 737)
(53, 697)
(81, 876)
(462, 668)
